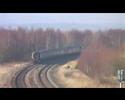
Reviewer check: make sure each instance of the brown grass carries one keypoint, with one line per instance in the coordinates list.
(7, 71)
(74, 78)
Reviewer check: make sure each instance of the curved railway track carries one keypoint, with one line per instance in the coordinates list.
(39, 73)
(19, 80)
(46, 83)
(31, 78)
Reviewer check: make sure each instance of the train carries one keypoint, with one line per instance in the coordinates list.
(38, 56)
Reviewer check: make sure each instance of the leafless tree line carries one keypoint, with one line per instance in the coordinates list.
(104, 55)
(18, 44)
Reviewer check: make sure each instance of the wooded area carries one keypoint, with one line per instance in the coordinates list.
(104, 55)
(18, 44)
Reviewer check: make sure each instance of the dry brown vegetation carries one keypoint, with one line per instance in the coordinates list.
(7, 71)
(104, 55)
(71, 77)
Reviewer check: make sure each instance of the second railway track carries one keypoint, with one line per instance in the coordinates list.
(45, 81)
(40, 73)
(19, 80)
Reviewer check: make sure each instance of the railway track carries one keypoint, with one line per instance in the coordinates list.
(39, 73)
(40, 78)
(18, 81)
(45, 81)
(31, 78)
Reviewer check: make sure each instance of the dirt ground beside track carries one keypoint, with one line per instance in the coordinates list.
(71, 77)
(7, 71)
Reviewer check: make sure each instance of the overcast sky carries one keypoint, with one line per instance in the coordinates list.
(75, 18)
